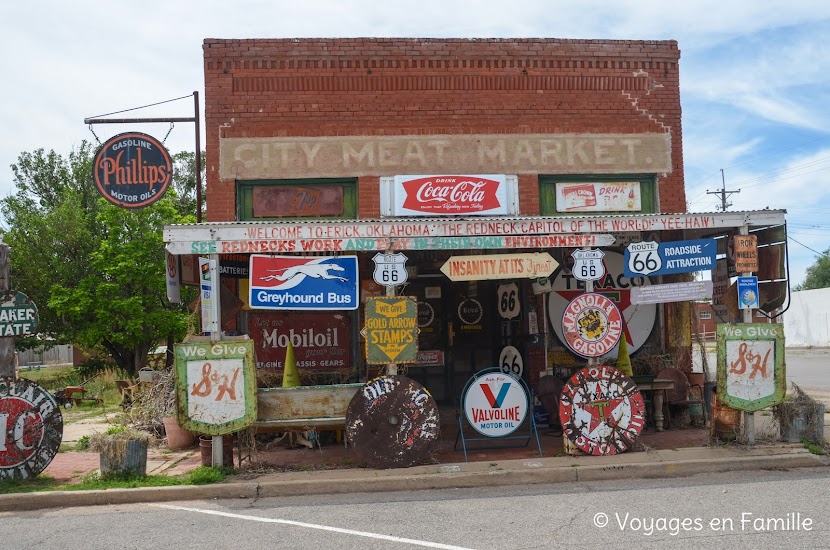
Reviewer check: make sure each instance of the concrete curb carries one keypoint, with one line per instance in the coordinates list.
(512, 472)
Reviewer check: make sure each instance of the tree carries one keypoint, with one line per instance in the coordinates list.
(818, 274)
(184, 180)
(95, 270)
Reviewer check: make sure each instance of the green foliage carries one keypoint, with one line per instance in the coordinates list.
(95, 270)
(200, 476)
(813, 447)
(818, 274)
(204, 475)
(184, 181)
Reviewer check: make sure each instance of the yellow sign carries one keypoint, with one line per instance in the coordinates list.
(499, 266)
(391, 330)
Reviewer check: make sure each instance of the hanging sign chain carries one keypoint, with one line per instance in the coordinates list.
(94, 134)
(168, 133)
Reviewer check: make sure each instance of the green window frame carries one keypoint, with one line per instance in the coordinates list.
(547, 192)
(245, 196)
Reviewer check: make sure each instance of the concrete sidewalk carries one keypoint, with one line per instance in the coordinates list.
(646, 464)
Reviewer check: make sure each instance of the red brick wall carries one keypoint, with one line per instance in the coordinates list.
(368, 87)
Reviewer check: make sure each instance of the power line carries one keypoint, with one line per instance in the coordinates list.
(807, 247)
(723, 193)
(753, 158)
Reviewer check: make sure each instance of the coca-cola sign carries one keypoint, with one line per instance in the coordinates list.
(446, 195)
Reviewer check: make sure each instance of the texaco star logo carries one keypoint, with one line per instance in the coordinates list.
(601, 411)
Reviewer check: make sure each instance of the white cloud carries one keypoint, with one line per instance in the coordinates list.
(753, 74)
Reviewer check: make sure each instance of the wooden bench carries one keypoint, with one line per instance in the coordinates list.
(304, 407)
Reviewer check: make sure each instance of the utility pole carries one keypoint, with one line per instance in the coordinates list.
(723, 193)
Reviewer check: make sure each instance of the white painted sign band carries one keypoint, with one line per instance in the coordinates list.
(397, 243)
(375, 229)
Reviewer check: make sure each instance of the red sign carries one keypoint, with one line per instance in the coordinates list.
(297, 201)
(601, 411)
(451, 194)
(322, 341)
(592, 324)
(31, 428)
(132, 170)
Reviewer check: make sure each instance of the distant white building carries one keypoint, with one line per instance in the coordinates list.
(807, 321)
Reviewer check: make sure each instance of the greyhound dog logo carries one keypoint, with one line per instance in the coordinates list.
(294, 275)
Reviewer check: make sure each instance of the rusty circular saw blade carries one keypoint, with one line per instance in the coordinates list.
(393, 422)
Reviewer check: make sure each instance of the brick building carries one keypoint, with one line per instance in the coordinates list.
(318, 147)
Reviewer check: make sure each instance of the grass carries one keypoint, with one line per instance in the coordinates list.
(813, 447)
(202, 475)
(53, 378)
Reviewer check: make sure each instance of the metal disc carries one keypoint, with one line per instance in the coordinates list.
(31, 429)
(392, 422)
(601, 410)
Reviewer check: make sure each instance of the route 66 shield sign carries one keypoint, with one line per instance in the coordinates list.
(643, 258)
(390, 269)
(588, 264)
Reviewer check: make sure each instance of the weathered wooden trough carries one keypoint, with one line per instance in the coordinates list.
(304, 407)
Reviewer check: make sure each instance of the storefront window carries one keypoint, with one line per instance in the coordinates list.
(313, 198)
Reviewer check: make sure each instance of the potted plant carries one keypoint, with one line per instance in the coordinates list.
(122, 450)
(154, 410)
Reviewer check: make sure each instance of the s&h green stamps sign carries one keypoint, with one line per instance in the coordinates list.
(751, 369)
(215, 385)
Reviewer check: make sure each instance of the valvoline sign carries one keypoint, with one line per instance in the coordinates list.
(495, 405)
(303, 283)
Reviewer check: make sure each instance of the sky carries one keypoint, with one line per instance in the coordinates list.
(754, 77)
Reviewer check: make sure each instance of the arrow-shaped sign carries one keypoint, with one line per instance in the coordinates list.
(499, 266)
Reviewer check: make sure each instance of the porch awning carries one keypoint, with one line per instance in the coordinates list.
(304, 235)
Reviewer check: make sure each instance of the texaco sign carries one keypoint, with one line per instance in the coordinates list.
(31, 429)
(639, 319)
(591, 325)
(601, 411)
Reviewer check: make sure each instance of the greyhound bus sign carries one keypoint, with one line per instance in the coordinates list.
(303, 283)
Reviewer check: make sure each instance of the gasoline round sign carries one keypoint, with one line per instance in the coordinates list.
(591, 325)
(601, 411)
(132, 170)
(495, 404)
(31, 429)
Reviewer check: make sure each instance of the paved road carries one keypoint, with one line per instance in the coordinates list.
(808, 368)
(731, 511)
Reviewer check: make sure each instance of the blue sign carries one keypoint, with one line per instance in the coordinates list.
(748, 293)
(651, 258)
(303, 283)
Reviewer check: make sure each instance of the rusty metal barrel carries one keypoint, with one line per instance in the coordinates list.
(726, 421)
